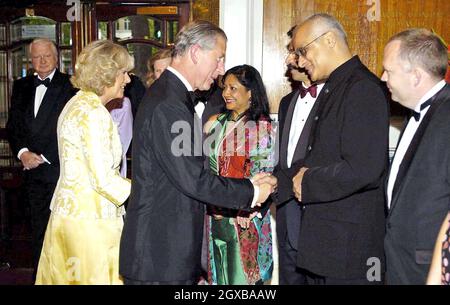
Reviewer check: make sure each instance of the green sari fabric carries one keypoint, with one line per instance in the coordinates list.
(239, 256)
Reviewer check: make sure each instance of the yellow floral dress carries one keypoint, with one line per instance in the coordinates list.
(81, 244)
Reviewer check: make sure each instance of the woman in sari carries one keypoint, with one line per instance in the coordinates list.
(240, 244)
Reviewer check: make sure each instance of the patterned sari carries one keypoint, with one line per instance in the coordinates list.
(238, 256)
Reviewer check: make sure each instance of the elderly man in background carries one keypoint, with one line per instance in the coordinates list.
(36, 103)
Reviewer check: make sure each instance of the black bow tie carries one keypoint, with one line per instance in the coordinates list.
(38, 82)
(416, 114)
(311, 89)
(195, 98)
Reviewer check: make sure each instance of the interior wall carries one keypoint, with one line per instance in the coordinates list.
(366, 38)
(206, 10)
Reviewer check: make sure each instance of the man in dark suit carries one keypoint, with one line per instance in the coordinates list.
(135, 91)
(341, 183)
(36, 103)
(418, 188)
(296, 114)
(162, 236)
(213, 101)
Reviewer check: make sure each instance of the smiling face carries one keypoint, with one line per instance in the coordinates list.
(236, 96)
(315, 58)
(117, 90)
(43, 58)
(211, 64)
(291, 62)
(399, 81)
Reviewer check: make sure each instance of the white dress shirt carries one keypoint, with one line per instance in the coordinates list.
(407, 137)
(189, 88)
(38, 97)
(40, 92)
(303, 107)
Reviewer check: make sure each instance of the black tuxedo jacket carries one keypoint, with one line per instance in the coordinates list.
(422, 199)
(343, 190)
(162, 236)
(38, 134)
(288, 208)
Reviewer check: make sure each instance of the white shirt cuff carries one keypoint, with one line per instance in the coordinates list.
(45, 159)
(256, 194)
(21, 152)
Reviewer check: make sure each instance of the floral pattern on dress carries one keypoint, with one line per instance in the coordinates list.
(445, 280)
(241, 150)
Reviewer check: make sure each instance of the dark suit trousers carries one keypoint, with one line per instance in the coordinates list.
(39, 197)
(289, 273)
(314, 279)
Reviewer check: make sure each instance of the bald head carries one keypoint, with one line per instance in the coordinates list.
(321, 46)
(320, 23)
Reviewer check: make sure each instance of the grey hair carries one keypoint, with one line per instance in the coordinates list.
(329, 23)
(200, 32)
(44, 40)
(420, 47)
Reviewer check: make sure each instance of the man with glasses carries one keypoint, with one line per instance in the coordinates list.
(340, 185)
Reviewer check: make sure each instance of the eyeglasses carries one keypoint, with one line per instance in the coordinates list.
(303, 50)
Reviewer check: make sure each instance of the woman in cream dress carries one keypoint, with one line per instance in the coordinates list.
(81, 244)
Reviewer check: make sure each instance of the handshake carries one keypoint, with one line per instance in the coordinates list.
(267, 185)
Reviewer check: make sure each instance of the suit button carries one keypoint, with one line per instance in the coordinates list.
(309, 148)
(326, 90)
(316, 118)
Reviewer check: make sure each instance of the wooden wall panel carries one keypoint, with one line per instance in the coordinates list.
(206, 10)
(279, 17)
(367, 39)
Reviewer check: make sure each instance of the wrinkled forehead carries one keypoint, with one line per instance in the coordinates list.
(41, 47)
(220, 46)
(391, 51)
(303, 34)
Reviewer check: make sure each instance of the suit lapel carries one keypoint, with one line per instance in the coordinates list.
(49, 103)
(176, 85)
(287, 129)
(30, 92)
(302, 143)
(413, 146)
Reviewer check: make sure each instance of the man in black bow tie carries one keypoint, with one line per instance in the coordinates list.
(36, 103)
(162, 236)
(295, 114)
(418, 196)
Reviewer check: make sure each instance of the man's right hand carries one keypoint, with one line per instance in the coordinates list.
(30, 160)
(267, 185)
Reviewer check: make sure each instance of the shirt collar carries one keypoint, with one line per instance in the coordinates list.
(181, 77)
(435, 89)
(48, 76)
